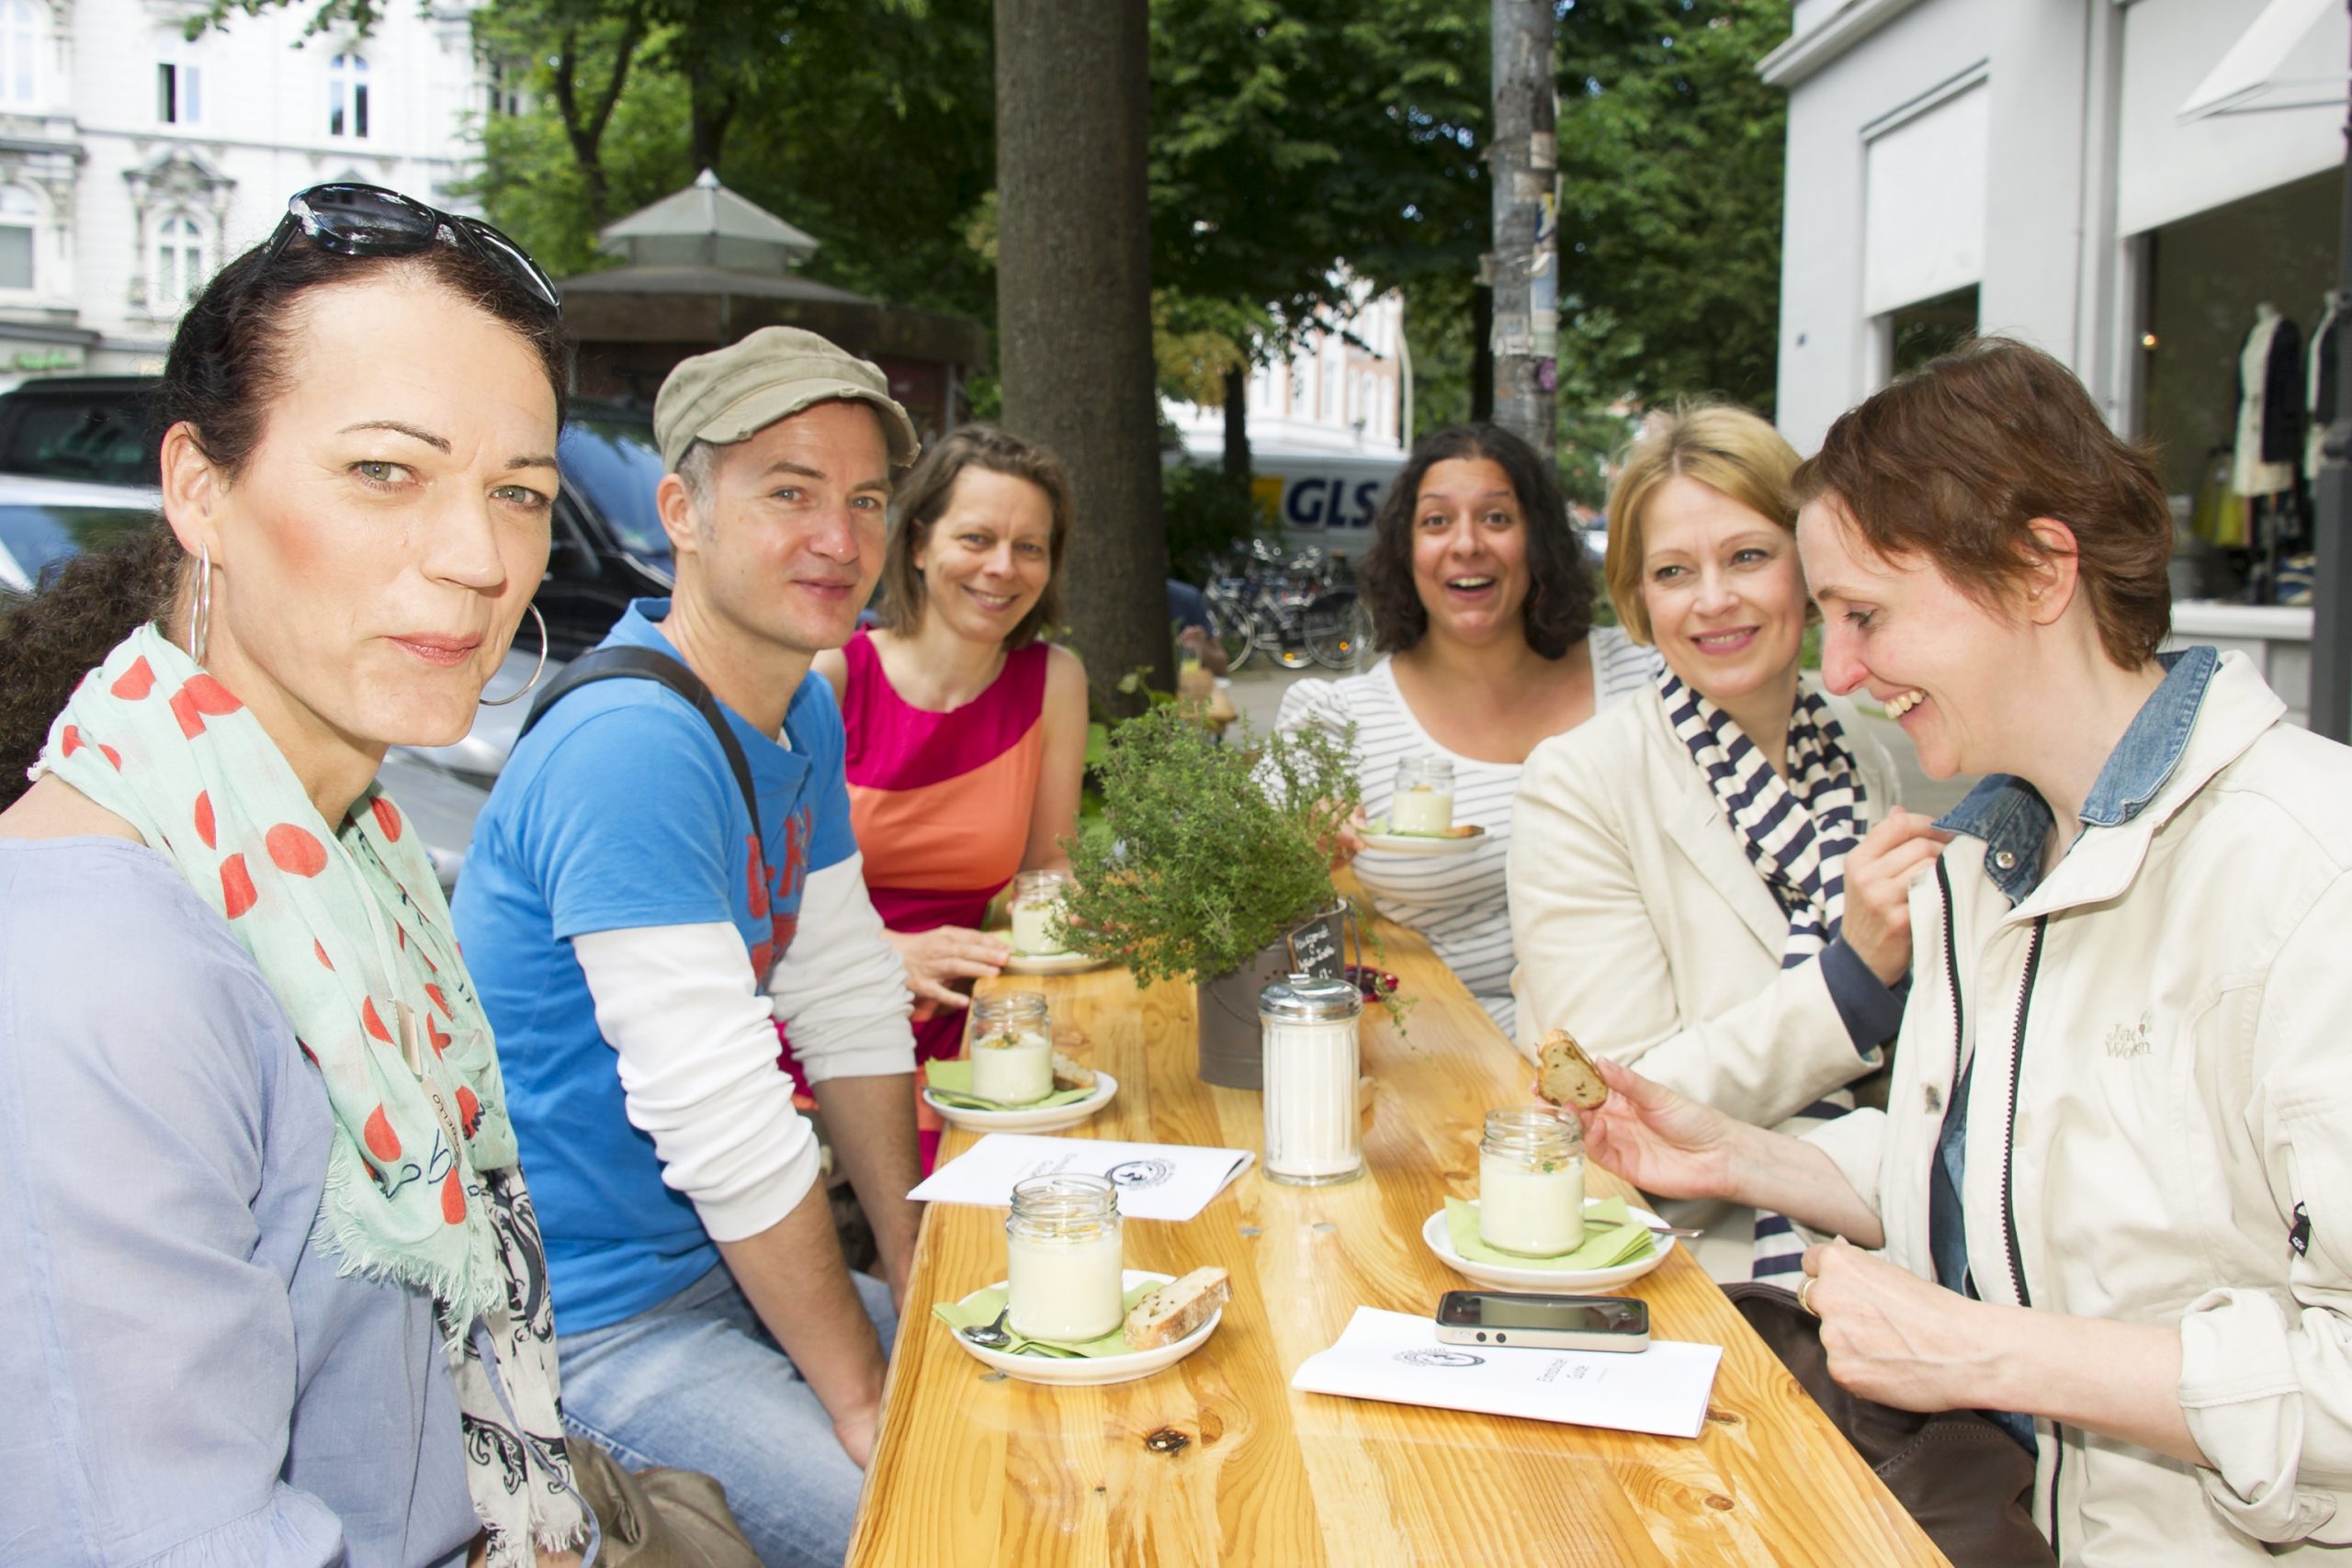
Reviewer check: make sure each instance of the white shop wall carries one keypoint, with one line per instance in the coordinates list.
(1923, 201)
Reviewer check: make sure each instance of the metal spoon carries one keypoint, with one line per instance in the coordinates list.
(1690, 1231)
(992, 1337)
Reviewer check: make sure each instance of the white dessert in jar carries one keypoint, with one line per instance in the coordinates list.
(1531, 1184)
(1064, 1259)
(1013, 1048)
(1036, 909)
(1013, 1069)
(1421, 810)
(1422, 798)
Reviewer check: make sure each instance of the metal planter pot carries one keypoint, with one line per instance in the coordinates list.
(1232, 1056)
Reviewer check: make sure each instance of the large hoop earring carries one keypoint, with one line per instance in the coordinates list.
(200, 604)
(536, 674)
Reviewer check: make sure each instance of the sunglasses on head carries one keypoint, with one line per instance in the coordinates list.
(368, 220)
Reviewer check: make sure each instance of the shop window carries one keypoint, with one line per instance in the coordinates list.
(19, 53)
(346, 95)
(1921, 332)
(177, 101)
(20, 222)
(179, 269)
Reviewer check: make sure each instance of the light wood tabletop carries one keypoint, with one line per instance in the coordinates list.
(1219, 1460)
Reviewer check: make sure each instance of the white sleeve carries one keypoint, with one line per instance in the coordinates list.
(839, 990)
(697, 1052)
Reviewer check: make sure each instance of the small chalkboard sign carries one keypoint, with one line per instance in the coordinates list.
(1313, 950)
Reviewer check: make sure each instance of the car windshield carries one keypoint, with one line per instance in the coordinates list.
(32, 537)
(103, 438)
(615, 464)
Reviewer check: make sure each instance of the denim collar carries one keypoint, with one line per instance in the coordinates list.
(2013, 819)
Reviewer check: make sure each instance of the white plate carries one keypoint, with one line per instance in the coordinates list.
(1079, 1371)
(1415, 845)
(1052, 964)
(1041, 1119)
(1569, 1282)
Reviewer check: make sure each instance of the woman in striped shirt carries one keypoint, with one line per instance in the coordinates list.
(1482, 600)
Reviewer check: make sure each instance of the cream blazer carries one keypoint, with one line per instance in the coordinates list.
(1643, 930)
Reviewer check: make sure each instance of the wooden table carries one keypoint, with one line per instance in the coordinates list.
(1219, 1460)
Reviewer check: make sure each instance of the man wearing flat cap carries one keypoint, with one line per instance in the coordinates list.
(638, 927)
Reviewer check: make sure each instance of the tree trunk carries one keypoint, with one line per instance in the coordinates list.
(1482, 354)
(1237, 424)
(1526, 272)
(1074, 310)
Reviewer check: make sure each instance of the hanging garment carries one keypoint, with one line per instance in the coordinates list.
(2270, 406)
(2319, 384)
(2219, 517)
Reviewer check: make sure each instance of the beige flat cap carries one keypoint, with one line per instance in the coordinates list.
(731, 394)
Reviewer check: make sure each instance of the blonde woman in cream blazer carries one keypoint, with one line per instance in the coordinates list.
(1649, 922)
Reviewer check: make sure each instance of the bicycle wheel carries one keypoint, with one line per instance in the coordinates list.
(1229, 624)
(1338, 630)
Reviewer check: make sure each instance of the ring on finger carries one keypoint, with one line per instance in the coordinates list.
(1804, 1293)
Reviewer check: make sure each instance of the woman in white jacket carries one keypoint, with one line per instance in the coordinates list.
(2112, 1183)
(1686, 886)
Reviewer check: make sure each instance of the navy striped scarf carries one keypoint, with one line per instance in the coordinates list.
(1797, 831)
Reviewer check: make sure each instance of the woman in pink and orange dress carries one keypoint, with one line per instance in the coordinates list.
(967, 733)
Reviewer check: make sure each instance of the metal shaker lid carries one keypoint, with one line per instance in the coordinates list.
(1310, 998)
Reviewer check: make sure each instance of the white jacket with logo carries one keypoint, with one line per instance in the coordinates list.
(2163, 1088)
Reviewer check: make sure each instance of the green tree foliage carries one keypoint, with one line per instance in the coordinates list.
(1289, 136)
(1672, 158)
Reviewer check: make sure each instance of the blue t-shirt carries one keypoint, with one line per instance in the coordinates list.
(619, 810)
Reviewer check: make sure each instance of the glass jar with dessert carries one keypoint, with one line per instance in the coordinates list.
(1065, 1262)
(1423, 799)
(1012, 1048)
(1530, 1183)
(1037, 912)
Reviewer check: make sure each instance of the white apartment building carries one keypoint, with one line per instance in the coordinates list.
(1342, 391)
(134, 161)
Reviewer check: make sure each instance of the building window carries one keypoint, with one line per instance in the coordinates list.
(20, 221)
(177, 102)
(346, 95)
(20, 51)
(506, 87)
(179, 264)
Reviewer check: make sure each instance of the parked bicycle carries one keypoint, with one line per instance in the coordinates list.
(1298, 609)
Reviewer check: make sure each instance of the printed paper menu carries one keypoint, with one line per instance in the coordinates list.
(1156, 1182)
(1397, 1358)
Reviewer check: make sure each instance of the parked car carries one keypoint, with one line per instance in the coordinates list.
(44, 521)
(607, 548)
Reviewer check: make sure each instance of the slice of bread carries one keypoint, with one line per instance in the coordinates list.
(1177, 1308)
(1068, 1073)
(1567, 1076)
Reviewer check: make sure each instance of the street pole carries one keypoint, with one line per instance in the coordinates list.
(2330, 709)
(1523, 170)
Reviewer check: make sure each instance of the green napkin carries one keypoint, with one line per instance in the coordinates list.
(1611, 1237)
(979, 1309)
(952, 1083)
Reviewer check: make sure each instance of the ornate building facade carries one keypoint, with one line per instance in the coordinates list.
(134, 159)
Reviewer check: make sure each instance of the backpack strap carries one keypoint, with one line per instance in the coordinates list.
(646, 664)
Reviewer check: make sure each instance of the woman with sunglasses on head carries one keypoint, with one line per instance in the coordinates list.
(2111, 1182)
(280, 1297)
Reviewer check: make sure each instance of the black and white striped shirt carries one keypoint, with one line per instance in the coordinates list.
(1457, 902)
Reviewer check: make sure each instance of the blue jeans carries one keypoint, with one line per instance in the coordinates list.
(696, 1383)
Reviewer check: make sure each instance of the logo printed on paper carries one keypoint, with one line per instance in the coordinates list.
(1419, 1358)
(1137, 1174)
(2130, 1040)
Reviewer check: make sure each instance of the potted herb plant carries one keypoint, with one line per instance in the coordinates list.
(1208, 861)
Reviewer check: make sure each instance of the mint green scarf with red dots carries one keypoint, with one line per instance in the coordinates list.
(349, 928)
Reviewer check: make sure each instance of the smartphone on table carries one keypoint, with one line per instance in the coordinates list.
(1543, 1322)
